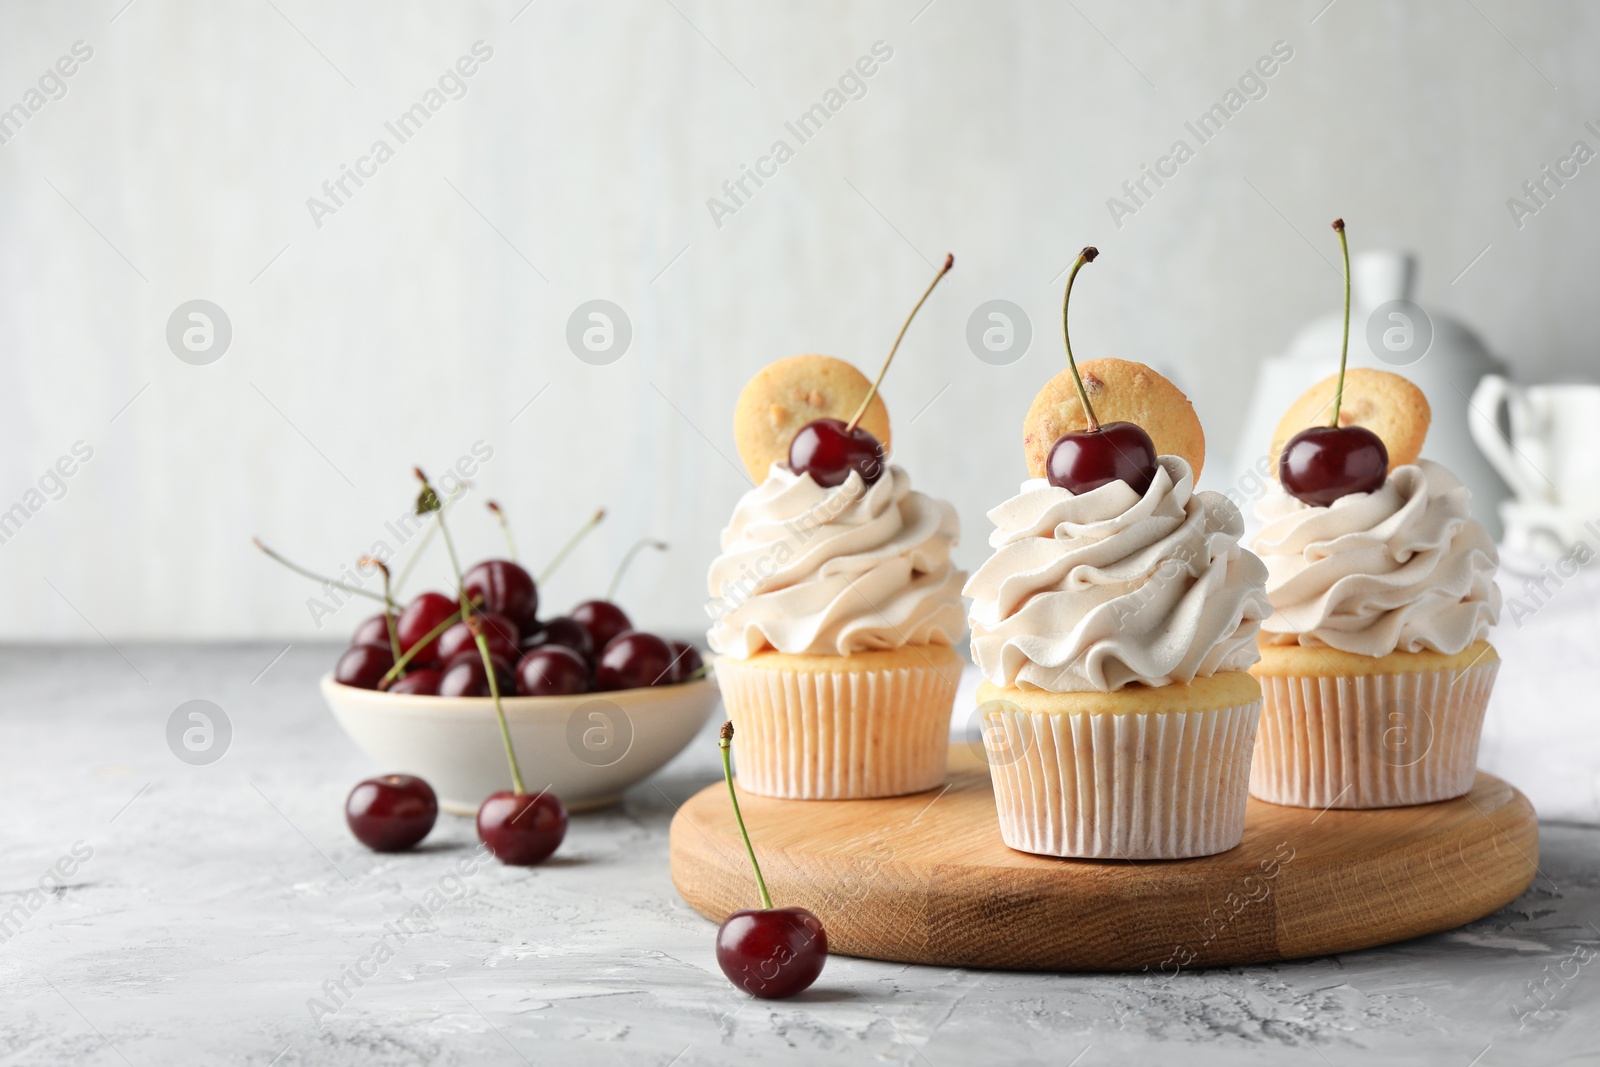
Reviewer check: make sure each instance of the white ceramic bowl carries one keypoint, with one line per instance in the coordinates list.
(586, 749)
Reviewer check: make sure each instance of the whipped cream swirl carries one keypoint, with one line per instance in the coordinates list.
(1108, 588)
(1404, 568)
(817, 571)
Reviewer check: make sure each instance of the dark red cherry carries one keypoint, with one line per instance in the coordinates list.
(391, 813)
(419, 619)
(464, 676)
(363, 666)
(685, 660)
(552, 671)
(498, 631)
(373, 631)
(1324, 463)
(506, 590)
(522, 829)
(422, 683)
(603, 619)
(1082, 461)
(772, 953)
(824, 450)
(565, 631)
(633, 660)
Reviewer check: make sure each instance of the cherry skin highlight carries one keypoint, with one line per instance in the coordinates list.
(552, 671)
(828, 450)
(422, 683)
(565, 631)
(464, 676)
(1083, 461)
(373, 631)
(506, 589)
(419, 619)
(772, 953)
(632, 661)
(499, 633)
(522, 829)
(1325, 463)
(603, 619)
(685, 660)
(363, 666)
(391, 813)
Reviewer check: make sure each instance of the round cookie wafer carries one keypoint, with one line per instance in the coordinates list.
(1382, 401)
(787, 394)
(1120, 390)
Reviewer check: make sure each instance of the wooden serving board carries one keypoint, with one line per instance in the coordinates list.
(926, 879)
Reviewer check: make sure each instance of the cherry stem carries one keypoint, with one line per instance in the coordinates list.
(494, 691)
(422, 546)
(949, 261)
(427, 639)
(1344, 345)
(572, 543)
(388, 603)
(723, 742)
(477, 636)
(505, 528)
(622, 568)
(313, 575)
(1086, 256)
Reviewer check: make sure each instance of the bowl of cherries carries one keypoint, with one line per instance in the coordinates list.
(444, 684)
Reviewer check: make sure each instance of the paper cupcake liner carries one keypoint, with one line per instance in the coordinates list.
(840, 735)
(1153, 785)
(1370, 741)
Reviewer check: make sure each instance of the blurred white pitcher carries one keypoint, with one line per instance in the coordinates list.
(1553, 454)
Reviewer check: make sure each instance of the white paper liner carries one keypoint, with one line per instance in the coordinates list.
(1370, 741)
(1142, 785)
(843, 735)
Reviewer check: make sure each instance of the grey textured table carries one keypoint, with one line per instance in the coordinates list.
(207, 908)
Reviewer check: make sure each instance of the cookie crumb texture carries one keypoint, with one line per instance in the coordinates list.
(791, 392)
(1379, 400)
(1120, 390)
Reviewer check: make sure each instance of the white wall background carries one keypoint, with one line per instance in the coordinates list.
(425, 314)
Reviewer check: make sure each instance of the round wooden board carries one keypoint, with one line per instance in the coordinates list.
(926, 879)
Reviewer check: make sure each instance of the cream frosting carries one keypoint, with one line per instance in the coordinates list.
(1404, 568)
(1108, 588)
(831, 571)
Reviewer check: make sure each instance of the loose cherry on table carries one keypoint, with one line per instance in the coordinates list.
(603, 620)
(506, 589)
(499, 632)
(553, 670)
(562, 631)
(391, 813)
(420, 618)
(633, 660)
(522, 829)
(423, 682)
(363, 666)
(1324, 463)
(1082, 461)
(829, 449)
(768, 952)
(517, 828)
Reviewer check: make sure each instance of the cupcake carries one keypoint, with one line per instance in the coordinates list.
(1113, 626)
(834, 599)
(1375, 665)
